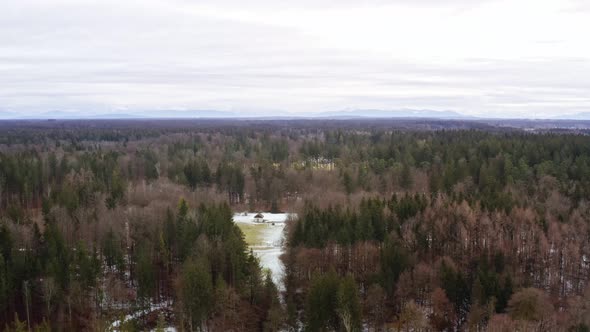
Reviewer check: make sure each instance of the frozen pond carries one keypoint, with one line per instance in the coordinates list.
(266, 239)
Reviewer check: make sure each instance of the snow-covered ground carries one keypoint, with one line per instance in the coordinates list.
(153, 307)
(271, 238)
(268, 217)
(270, 259)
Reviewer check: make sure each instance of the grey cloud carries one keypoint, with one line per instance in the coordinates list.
(103, 57)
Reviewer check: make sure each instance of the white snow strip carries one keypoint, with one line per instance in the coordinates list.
(267, 217)
(156, 306)
(270, 250)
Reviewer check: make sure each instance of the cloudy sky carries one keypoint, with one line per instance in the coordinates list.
(517, 58)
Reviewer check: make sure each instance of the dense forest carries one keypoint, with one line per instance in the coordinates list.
(401, 226)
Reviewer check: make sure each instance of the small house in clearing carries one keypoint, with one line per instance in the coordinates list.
(259, 217)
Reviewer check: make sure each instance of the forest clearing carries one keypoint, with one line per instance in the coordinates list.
(266, 239)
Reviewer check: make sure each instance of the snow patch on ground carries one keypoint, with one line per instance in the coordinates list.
(270, 259)
(155, 306)
(268, 217)
(271, 248)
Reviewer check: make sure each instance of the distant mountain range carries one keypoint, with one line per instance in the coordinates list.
(8, 114)
(403, 113)
(343, 114)
(576, 116)
(149, 114)
(68, 115)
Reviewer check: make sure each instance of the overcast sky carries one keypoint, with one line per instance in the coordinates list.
(520, 58)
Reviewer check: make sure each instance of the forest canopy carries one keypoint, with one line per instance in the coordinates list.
(423, 226)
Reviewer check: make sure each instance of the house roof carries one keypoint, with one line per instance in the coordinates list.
(259, 216)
